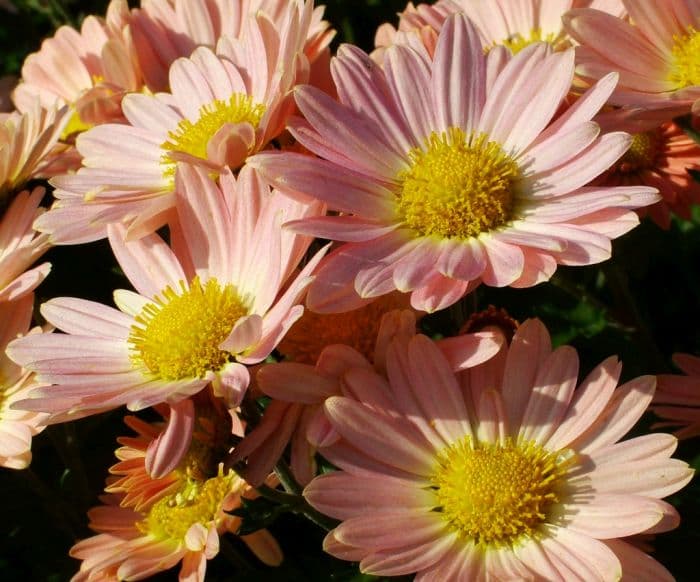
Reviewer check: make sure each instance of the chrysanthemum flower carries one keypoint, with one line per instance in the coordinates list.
(164, 30)
(299, 390)
(677, 400)
(449, 174)
(656, 54)
(21, 246)
(98, 66)
(26, 140)
(510, 23)
(150, 525)
(531, 483)
(216, 115)
(16, 427)
(221, 300)
(660, 156)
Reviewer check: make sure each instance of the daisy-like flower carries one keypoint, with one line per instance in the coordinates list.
(298, 390)
(166, 29)
(660, 156)
(677, 400)
(26, 141)
(449, 173)
(656, 54)
(21, 246)
(150, 525)
(98, 65)
(513, 24)
(220, 301)
(529, 484)
(16, 427)
(217, 114)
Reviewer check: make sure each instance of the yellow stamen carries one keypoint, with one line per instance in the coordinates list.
(178, 336)
(195, 502)
(517, 42)
(497, 494)
(641, 154)
(685, 69)
(192, 138)
(458, 186)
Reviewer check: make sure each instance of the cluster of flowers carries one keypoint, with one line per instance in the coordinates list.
(214, 143)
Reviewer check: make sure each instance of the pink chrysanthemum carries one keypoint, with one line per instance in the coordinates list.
(21, 246)
(98, 66)
(451, 172)
(299, 391)
(677, 400)
(166, 29)
(150, 525)
(660, 156)
(26, 141)
(510, 23)
(220, 300)
(467, 479)
(16, 427)
(656, 54)
(217, 114)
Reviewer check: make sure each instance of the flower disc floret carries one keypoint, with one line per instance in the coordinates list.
(458, 186)
(685, 68)
(178, 335)
(642, 152)
(192, 137)
(497, 494)
(517, 42)
(196, 502)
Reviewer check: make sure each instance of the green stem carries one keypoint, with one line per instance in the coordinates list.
(297, 504)
(284, 474)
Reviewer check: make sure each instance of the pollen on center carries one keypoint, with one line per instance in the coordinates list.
(178, 335)
(685, 65)
(192, 137)
(497, 494)
(458, 186)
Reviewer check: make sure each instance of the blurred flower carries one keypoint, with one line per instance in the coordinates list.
(528, 483)
(26, 142)
(7, 84)
(203, 311)
(448, 175)
(655, 53)
(16, 427)
(149, 525)
(21, 246)
(660, 156)
(222, 108)
(677, 400)
(299, 390)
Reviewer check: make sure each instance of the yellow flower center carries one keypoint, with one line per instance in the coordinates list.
(192, 138)
(641, 154)
(196, 502)
(458, 186)
(178, 335)
(517, 42)
(685, 67)
(497, 494)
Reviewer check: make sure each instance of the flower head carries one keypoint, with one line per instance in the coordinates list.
(455, 477)
(448, 174)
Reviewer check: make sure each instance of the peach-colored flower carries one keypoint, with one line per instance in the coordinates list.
(26, 142)
(219, 300)
(164, 30)
(677, 400)
(16, 427)
(21, 246)
(98, 66)
(222, 108)
(655, 53)
(510, 23)
(519, 480)
(448, 174)
(299, 390)
(149, 525)
(660, 156)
